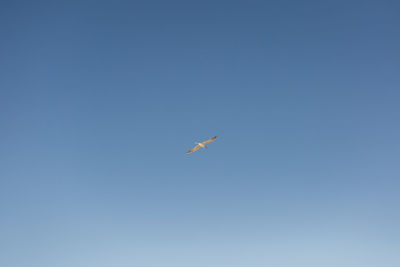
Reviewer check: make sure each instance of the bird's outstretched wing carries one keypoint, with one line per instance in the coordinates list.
(209, 141)
(193, 150)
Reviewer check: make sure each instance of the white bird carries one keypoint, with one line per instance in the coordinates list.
(201, 145)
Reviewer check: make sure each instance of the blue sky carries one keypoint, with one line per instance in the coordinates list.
(100, 100)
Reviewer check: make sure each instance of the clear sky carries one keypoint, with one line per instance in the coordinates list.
(100, 100)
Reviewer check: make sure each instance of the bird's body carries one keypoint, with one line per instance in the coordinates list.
(201, 145)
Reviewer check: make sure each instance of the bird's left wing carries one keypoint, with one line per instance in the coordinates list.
(193, 150)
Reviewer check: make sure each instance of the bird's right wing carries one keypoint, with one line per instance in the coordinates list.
(193, 150)
(209, 141)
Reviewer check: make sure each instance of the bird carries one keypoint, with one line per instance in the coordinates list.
(201, 145)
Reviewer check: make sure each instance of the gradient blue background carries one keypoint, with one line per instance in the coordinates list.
(100, 100)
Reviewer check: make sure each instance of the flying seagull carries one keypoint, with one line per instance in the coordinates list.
(203, 145)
